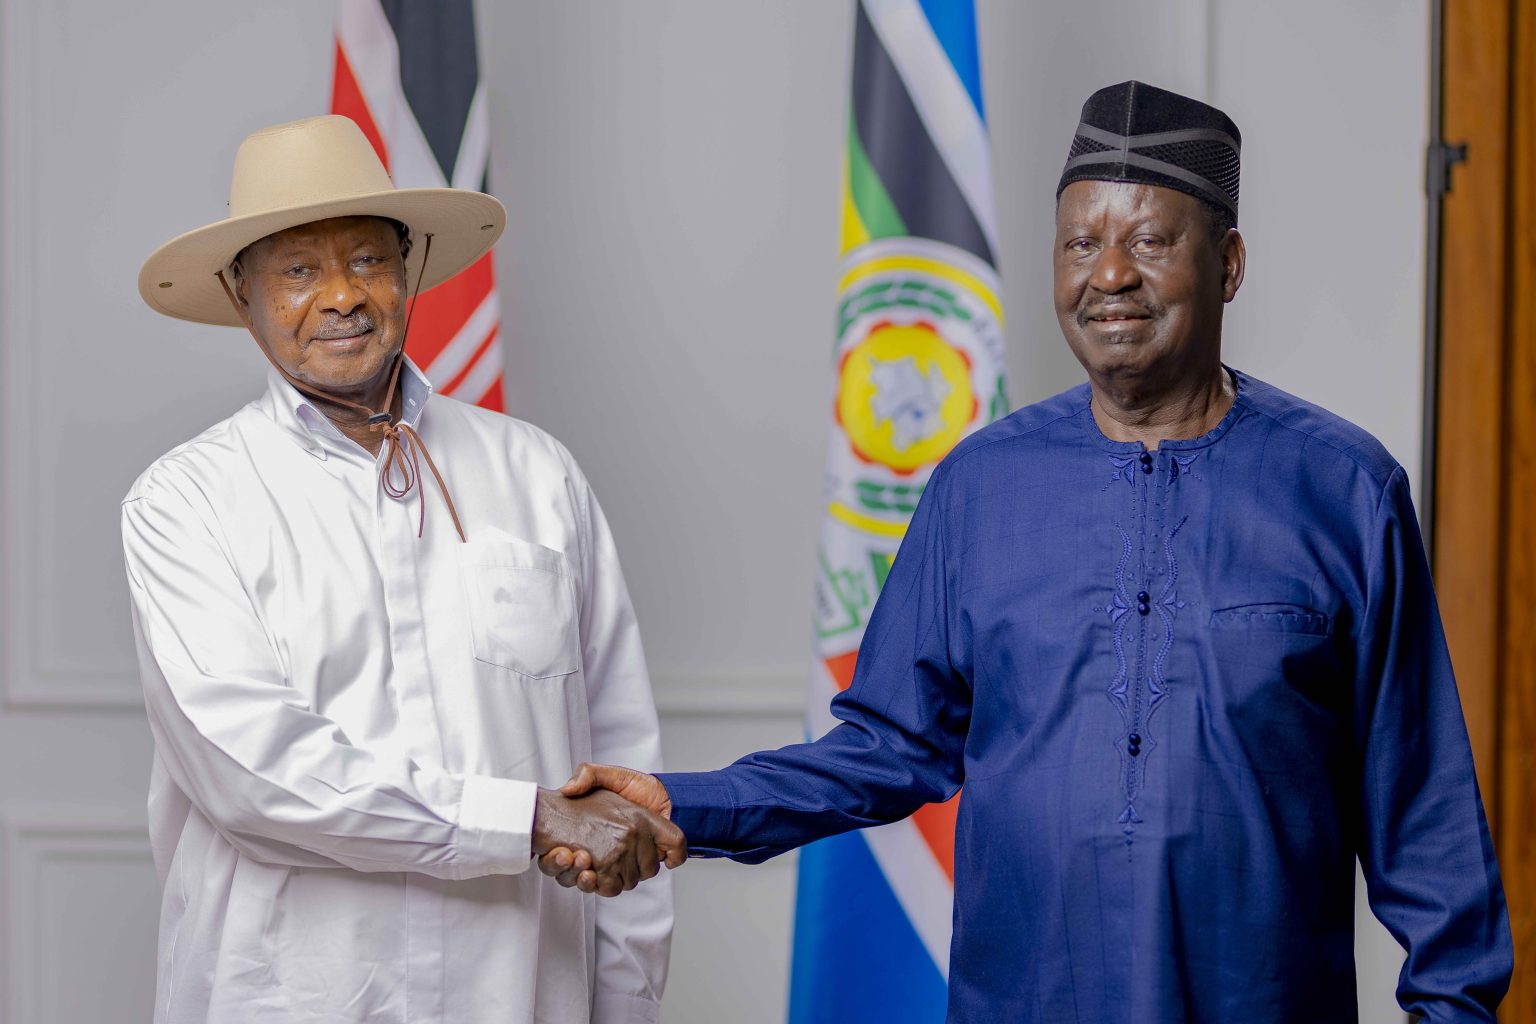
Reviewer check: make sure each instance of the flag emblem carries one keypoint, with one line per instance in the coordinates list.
(904, 393)
(911, 324)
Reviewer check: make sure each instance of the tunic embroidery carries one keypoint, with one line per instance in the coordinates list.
(1138, 703)
(1125, 469)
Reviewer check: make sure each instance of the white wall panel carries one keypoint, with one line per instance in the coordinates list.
(103, 161)
(1333, 102)
(80, 911)
(730, 954)
(117, 126)
(671, 174)
(1040, 61)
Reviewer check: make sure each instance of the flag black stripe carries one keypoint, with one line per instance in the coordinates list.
(438, 69)
(901, 152)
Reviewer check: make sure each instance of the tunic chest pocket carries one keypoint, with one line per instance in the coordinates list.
(1271, 618)
(1278, 665)
(523, 607)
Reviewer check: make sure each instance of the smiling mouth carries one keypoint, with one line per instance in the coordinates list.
(343, 337)
(1110, 317)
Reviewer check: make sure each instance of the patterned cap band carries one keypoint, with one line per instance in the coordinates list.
(1165, 139)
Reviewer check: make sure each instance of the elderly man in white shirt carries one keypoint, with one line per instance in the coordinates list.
(355, 698)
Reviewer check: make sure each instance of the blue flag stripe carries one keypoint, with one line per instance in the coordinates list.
(857, 957)
(955, 26)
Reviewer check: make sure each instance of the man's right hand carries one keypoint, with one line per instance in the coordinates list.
(611, 844)
(575, 867)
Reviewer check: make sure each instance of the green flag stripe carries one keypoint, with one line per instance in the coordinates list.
(869, 196)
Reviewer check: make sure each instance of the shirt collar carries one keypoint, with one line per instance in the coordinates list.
(312, 430)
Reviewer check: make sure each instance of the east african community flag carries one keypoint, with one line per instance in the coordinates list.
(918, 364)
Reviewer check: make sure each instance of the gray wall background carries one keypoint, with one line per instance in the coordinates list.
(671, 168)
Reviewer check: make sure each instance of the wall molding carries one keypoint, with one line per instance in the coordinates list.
(677, 695)
(732, 694)
(30, 675)
(727, 695)
(31, 840)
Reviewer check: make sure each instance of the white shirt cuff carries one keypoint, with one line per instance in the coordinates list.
(495, 826)
(614, 1008)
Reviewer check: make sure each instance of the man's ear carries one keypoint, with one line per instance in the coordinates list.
(236, 292)
(1234, 262)
(237, 275)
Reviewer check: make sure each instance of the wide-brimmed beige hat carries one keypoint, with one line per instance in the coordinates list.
(304, 171)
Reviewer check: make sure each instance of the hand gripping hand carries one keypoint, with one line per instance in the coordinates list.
(575, 864)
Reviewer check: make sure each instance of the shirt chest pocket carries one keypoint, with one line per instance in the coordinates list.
(523, 609)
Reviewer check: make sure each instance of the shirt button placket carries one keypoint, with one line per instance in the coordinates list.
(401, 554)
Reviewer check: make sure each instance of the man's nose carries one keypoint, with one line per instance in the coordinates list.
(1115, 271)
(340, 291)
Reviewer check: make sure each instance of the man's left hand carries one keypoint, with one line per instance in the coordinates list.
(607, 843)
(574, 867)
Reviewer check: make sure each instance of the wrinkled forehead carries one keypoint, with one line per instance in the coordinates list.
(1093, 202)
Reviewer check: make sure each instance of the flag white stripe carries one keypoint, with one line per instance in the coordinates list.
(475, 147)
(455, 355)
(942, 102)
(920, 884)
(369, 43)
(480, 379)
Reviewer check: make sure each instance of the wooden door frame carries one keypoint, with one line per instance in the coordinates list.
(1482, 385)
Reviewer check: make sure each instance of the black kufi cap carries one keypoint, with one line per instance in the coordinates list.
(1138, 132)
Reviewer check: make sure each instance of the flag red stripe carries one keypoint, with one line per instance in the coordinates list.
(347, 99)
(441, 311)
(936, 824)
(840, 667)
(453, 385)
(493, 398)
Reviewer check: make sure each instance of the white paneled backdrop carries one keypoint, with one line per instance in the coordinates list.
(671, 168)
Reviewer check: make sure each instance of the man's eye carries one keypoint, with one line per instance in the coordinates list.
(297, 270)
(1080, 245)
(1146, 245)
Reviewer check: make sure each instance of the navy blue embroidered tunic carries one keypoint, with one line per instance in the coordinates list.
(1183, 690)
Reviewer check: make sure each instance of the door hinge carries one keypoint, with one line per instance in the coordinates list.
(1440, 157)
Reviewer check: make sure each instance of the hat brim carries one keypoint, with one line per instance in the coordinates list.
(179, 278)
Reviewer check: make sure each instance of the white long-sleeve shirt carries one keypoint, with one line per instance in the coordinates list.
(350, 724)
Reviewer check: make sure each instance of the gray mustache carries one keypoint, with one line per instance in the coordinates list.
(339, 328)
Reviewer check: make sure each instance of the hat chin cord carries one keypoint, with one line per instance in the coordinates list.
(403, 447)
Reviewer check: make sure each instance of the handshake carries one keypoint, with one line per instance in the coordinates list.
(606, 830)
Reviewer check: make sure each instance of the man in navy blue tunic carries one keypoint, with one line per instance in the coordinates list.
(1174, 632)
